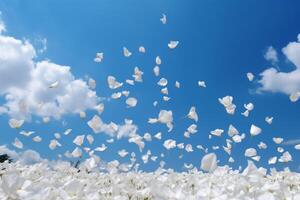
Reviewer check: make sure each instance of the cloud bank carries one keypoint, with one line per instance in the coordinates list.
(273, 80)
(40, 88)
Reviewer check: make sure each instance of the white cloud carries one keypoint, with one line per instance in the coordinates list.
(25, 84)
(291, 142)
(2, 25)
(273, 80)
(271, 55)
(40, 44)
(27, 157)
(16, 63)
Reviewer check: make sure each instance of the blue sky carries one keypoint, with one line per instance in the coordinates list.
(220, 41)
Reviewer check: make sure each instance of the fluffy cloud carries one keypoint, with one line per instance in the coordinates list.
(284, 82)
(27, 157)
(271, 55)
(25, 84)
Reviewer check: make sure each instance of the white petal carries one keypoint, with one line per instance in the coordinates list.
(156, 70)
(255, 130)
(76, 153)
(142, 49)
(99, 57)
(92, 83)
(173, 44)
(272, 160)
(131, 102)
(295, 96)
(37, 139)
(170, 144)
(157, 60)
(163, 19)
(113, 83)
(297, 146)
(193, 114)
(14, 123)
(277, 140)
(54, 85)
(18, 144)
(250, 76)
(79, 140)
(126, 52)
(250, 152)
(249, 106)
(162, 82)
(217, 132)
(116, 95)
(209, 162)
(232, 131)
(122, 153)
(269, 120)
(202, 84)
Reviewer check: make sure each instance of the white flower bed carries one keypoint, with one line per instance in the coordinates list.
(60, 181)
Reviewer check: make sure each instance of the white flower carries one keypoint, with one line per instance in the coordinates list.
(177, 84)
